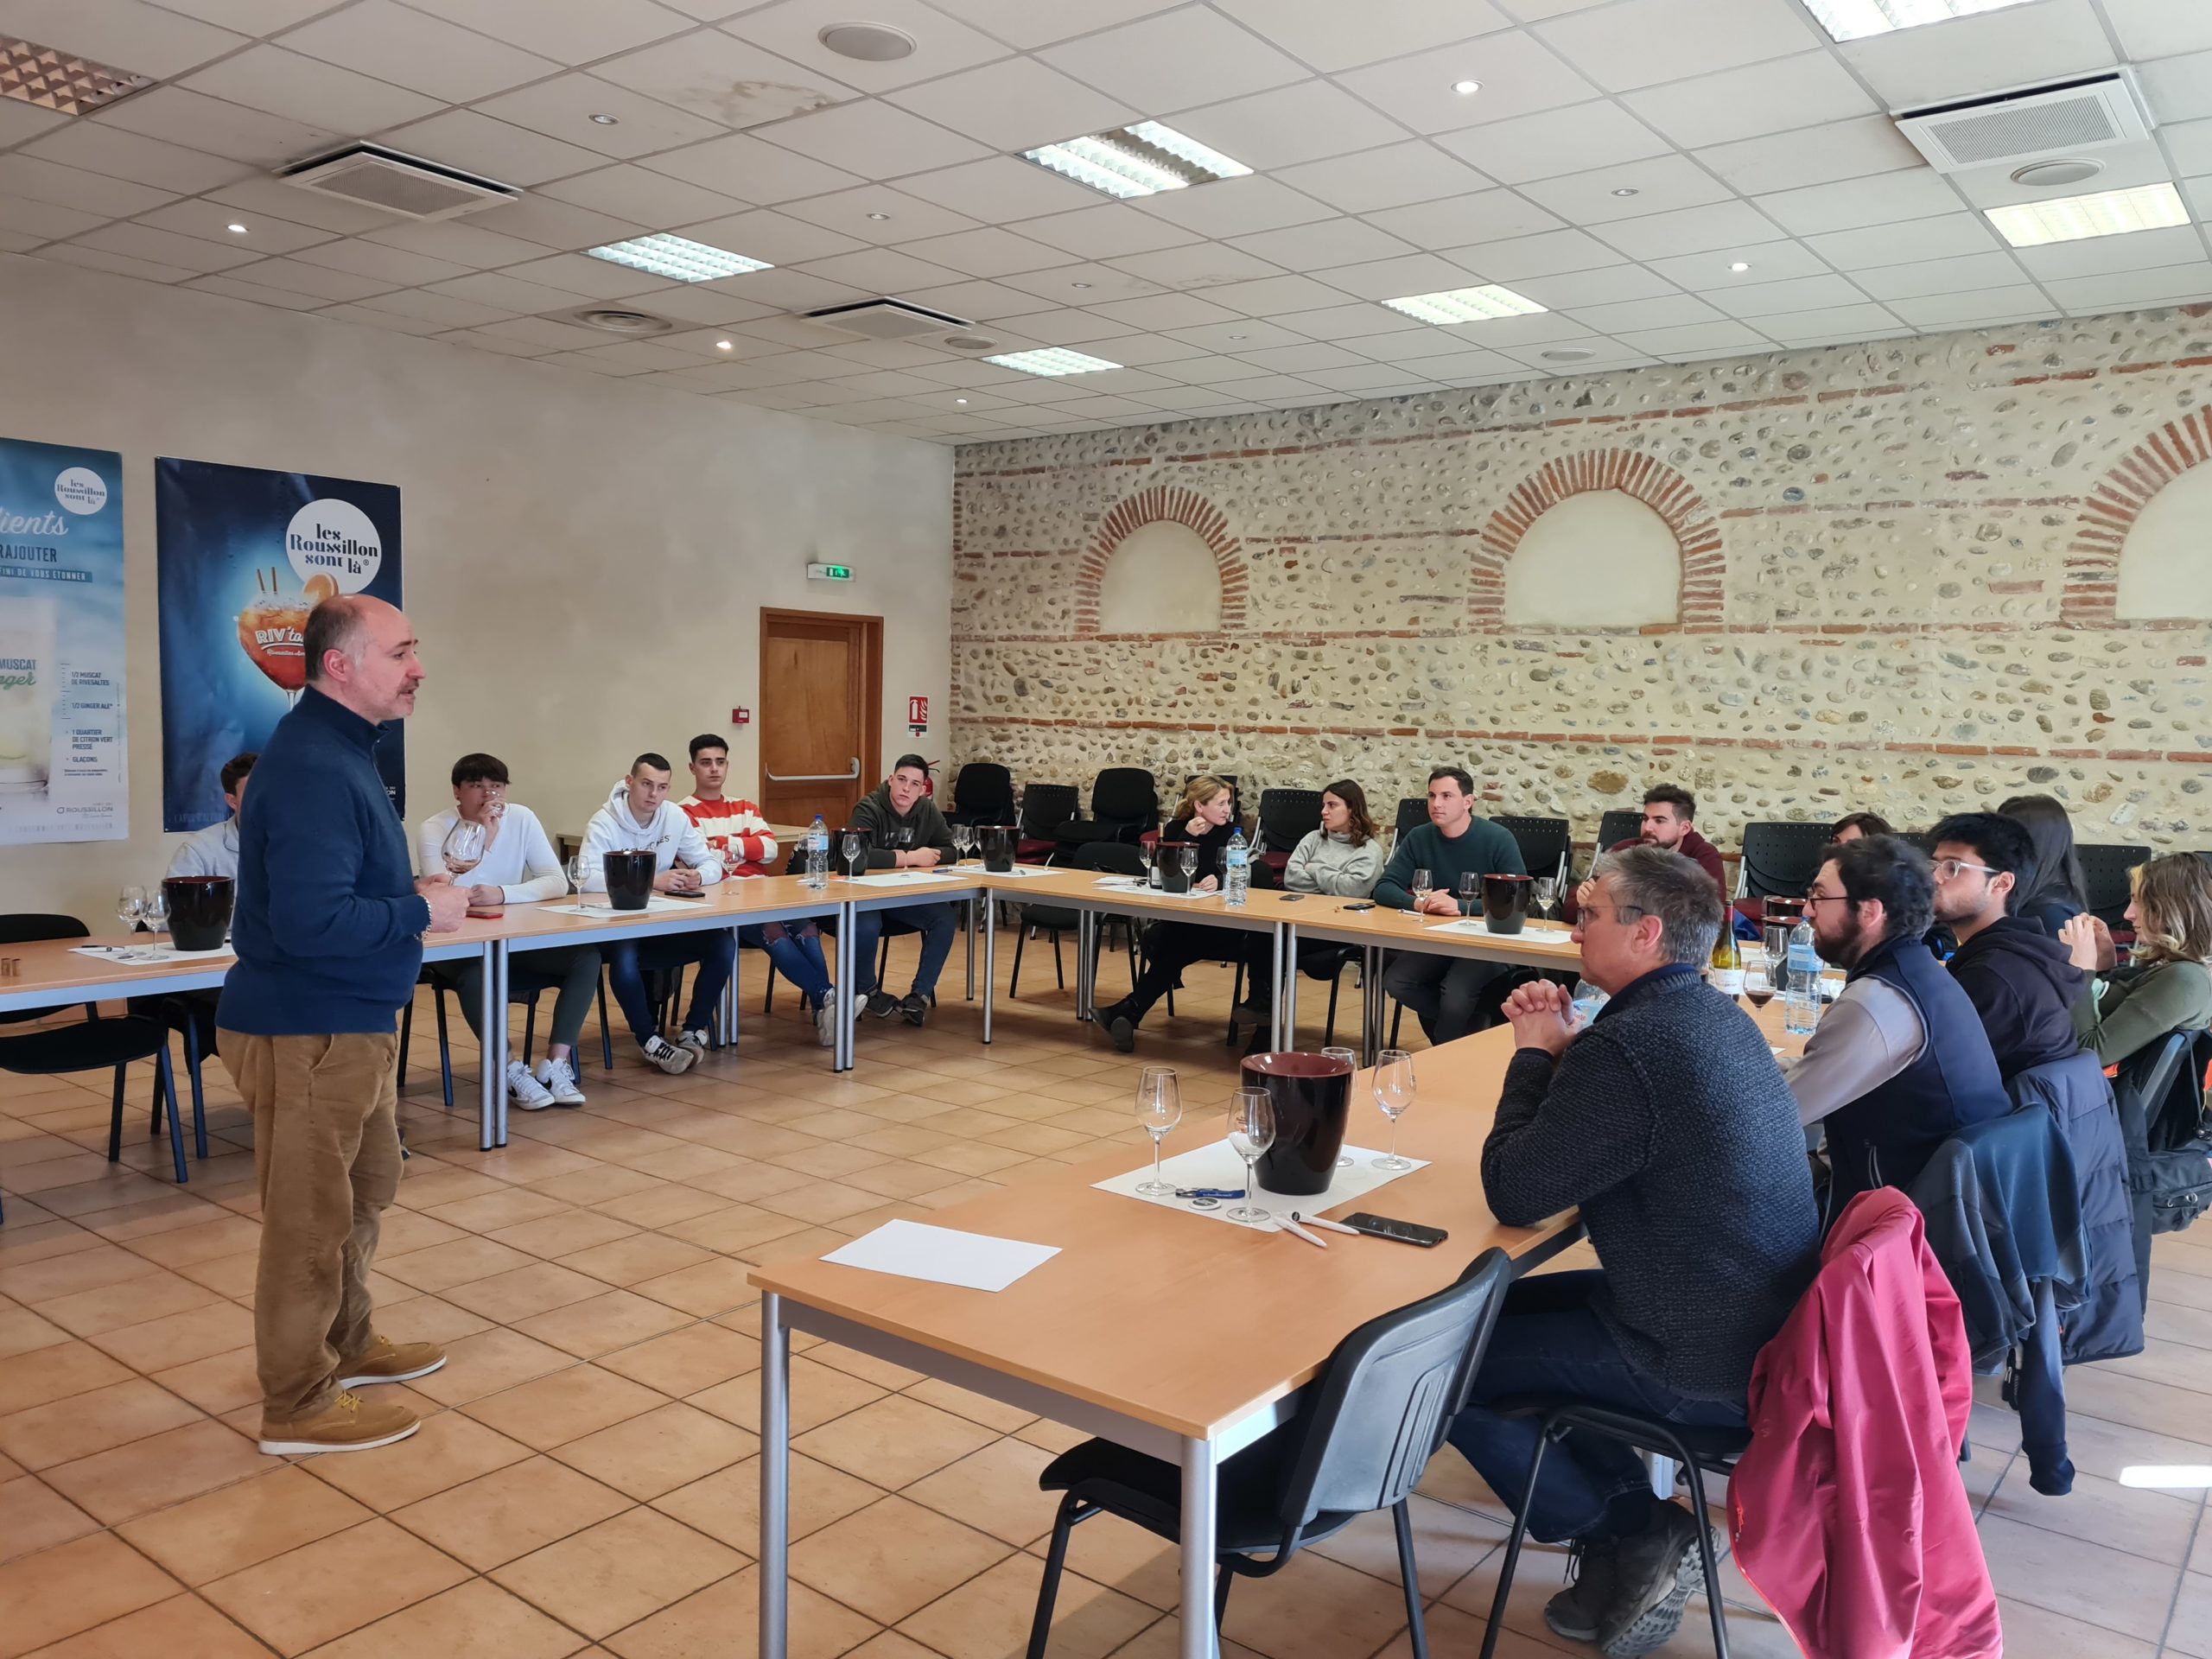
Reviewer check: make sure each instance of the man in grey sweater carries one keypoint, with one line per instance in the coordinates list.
(905, 831)
(1668, 1122)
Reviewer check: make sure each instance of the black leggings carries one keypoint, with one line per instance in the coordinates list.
(1169, 948)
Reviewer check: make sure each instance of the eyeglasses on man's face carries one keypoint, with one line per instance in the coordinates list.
(1947, 869)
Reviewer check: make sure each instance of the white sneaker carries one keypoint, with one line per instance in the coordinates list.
(558, 1080)
(695, 1041)
(523, 1089)
(825, 1021)
(670, 1058)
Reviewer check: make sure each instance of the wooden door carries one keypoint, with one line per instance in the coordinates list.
(821, 701)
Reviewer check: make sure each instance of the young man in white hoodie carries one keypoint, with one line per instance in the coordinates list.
(638, 817)
(498, 850)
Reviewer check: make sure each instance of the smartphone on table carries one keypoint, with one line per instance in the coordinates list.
(1404, 1232)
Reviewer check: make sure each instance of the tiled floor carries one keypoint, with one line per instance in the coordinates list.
(584, 1480)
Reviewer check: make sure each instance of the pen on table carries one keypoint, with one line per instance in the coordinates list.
(1317, 1221)
(1208, 1193)
(1289, 1224)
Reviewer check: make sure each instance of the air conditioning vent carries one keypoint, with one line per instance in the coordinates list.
(886, 318)
(403, 185)
(968, 343)
(2012, 129)
(616, 320)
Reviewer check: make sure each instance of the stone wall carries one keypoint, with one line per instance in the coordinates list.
(1899, 567)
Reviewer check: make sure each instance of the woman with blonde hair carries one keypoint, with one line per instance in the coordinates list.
(1206, 820)
(2167, 986)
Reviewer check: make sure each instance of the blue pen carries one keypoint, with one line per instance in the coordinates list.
(1208, 1193)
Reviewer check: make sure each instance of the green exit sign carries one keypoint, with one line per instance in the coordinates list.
(829, 572)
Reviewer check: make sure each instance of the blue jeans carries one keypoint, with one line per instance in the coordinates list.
(934, 922)
(628, 961)
(1547, 1340)
(797, 951)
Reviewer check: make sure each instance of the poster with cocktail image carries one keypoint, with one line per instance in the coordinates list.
(244, 554)
(63, 775)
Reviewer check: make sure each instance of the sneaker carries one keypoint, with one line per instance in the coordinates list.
(387, 1361)
(1578, 1613)
(825, 1021)
(1251, 1014)
(1655, 1570)
(348, 1424)
(696, 1041)
(882, 1004)
(914, 1009)
(670, 1058)
(558, 1080)
(522, 1089)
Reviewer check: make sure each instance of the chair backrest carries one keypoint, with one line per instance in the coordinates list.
(1125, 795)
(1619, 825)
(1381, 1407)
(983, 788)
(1782, 857)
(1108, 857)
(1543, 842)
(29, 927)
(2105, 866)
(1413, 813)
(1287, 818)
(1045, 808)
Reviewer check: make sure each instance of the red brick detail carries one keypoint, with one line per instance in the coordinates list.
(1658, 485)
(1171, 504)
(2110, 510)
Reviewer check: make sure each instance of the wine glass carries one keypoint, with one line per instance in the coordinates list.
(130, 907)
(1470, 894)
(1393, 1093)
(1251, 1132)
(854, 846)
(158, 908)
(1188, 858)
(1759, 982)
(576, 879)
(1145, 852)
(1422, 886)
(1350, 1057)
(964, 838)
(1546, 889)
(1160, 1109)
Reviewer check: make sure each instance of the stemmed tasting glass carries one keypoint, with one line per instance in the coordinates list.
(1393, 1093)
(854, 848)
(1758, 981)
(1160, 1109)
(964, 838)
(576, 879)
(1422, 886)
(1350, 1057)
(1251, 1132)
(130, 907)
(158, 908)
(1471, 893)
(1188, 858)
(1145, 852)
(1546, 890)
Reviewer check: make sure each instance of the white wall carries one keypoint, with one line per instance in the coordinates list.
(586, 561)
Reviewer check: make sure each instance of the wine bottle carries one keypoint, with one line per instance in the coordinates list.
(1727, 962)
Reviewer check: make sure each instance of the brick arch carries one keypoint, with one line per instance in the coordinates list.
(1658, 485)
(2091, 594)
(1169, 503)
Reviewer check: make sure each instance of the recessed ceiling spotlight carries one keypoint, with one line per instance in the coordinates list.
(878, 217)
(1240, 336)
(960, 400)
(1137, 161)
(2074, 218)
(1466, 88)
(1740, 266)
(1854, 20)
(607, 120)
(1078, 284)
(725, 345)
(867, 43)
(1466, 305)
(235, 230)
(1628, 190)
(1052, 360)
(678, 258)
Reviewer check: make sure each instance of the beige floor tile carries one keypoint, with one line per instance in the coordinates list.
(449, 1448)
(709, 1288)
(659, 1450)
(685, 1360)
(489, 1361)
(509, 1298)
(990, 1615)
(1448, 1542)
(218, 1384)
(183, 1627)
(153, 1472)
(891, 1559)
(2031, 1631)
(2087, 1581)
(1451, 1632)
(22, 1331)
(750, 1183)
(662, 1204)
(179, 1338)
(564, 1232)
(723, 1620)
(489, 1211)
(620, 1319)
(241, 1525)
(472, 1618)
(565, 1406)
(322, 1591)
(889, 1644)
(33, 1516)
(462, 1261)
(67, 1275)
(726, 1506)
(74, 1586)
(2158, 1525)
(500, 1516)
(426, 1318)
(619, 1572)
(641, 1256)
(932, 1391)
(134, 1301)
(819, 1395)
(405, 1232)
(735, 1226)
(63, 1430)
(205, 1242)
(993, 1489)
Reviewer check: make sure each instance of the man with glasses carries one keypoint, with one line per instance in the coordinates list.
(1667, 1120)
(1900, 1063)
(2021, 980)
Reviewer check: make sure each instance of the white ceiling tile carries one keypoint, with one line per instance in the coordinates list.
(642, 197)
(2178, 245)
(571, 31)
(493, 149)
(120, 155)
(1344, 321)
(1083, 284)
(874, 139)
(887, 383)
(942, 46)
(1666, 311)
(2116, 290)
(1416, 352)
(1748, 102)
(361, 316)
(723, 79)
(1305, 121)
(979, 302)
(1974, 306)
(1790, 161)
(1952, 275)
(1940, 237)
(20, 121)
(165, 247)
(2190, 143)
(1330, 35)
(544, 333)
(463, 242)
(1389, 177)
(988, 252)
(1987, 53)
(392, 267)
(233, 287)
(1017, 104)
(742, 166)
(1210, 371)
(1486, 216)
(67, 187)
(1240, 337)
(1519, 74)
(1028, 23)
(996, 191)
(310, 91)
(1380, 378)
(507, 293)
(1393, 279)
(122, 33)
(199, 122)
(211, 221)
(884, 271)
(2160, 29)
(1497, 333)
(1663, 184)
(1202, 264)
(793, 290)
(375, 37)
(1174, 61)
(1831, 322)
(255, 17)
(475, 339)
(1234, 206)
(2178, 89)
(297, 277)
(1326, 241)
(589, 278)
(1769, 262)
(1574, 139)
(1137, 351)
(556, 224)
(266, 195)
(1102, 233)
(776, 237)
(1305, 358)
(563, 107)
(1068, 327)
(1693, 230)
(1571, 290)
(904, 217)
(122, 264)
(1543, 255)
(1161, 312)
(637, 354)
(1759, 300)
(1612, 355)
(1642, 42)
(2197, 193)
(1723, 336)
(1885, 198)
(1125, 382)
(706, 303)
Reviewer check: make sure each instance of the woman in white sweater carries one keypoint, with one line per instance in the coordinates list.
(1342, 859)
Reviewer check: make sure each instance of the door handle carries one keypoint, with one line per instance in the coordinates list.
(821, 777)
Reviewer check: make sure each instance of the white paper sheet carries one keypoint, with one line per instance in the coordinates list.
(1219, 1165)
(1535, 933)
(1132, 884)
(146, 953)
(655, 904)
(943, 1255)
(901, 878)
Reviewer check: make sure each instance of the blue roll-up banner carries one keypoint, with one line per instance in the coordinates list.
(64, 765)
(244, 554)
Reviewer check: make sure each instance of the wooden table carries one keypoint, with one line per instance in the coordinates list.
(1184, 1337)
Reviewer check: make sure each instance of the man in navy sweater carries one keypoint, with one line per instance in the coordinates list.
(329, 930)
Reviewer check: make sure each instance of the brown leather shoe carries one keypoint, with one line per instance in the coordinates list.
(387, 1361)
(348, 1424)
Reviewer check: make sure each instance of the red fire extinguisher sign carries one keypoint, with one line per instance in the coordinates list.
(917, 712)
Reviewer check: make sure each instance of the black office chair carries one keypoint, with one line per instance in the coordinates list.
(1413, 813)
(1287, 818)
(1544, 842)
(1365, 1432)
(1124, 805)
(2105, 866)
(1781, 858)
(1619, 825)
(525, 986)
(1108, 857)
(982, 792)
(1045, 808)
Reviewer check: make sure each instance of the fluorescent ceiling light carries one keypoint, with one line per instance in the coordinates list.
(2073, 218)
(677, 257)
(1137, 161)
(1854, 20)
(1052, 359)
(1467, 305)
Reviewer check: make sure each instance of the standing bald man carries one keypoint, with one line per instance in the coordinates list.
(329, 930)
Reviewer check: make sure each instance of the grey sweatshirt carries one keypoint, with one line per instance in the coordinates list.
(1331, 864)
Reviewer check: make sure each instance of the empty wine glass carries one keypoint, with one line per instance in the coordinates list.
(1350, 1057)
(576, 879)
(1421, 886)
(1251, 1132)
(130, 907)
(158, 908)
(1145, 851)
(854, 848)
(1393, 1093)
(1160, 1109)
(964, 838)
(1188, 858)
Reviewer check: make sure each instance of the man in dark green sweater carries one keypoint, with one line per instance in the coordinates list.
(1442, 990)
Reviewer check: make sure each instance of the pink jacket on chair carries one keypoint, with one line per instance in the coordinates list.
(1848, 1512)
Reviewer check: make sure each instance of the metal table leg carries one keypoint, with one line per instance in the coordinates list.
(1373, 1004)
(989, 905)
(1275, 995)
(1198, 1495)
(841, 1050)
(1086, 930)
(727, 1016)
(971, 949)
(492, 1021)
(775, 1478)
(1287, 971)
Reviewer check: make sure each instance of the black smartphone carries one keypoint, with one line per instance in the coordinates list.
(1291, 898)
(1406, 1232)
(1365, 904)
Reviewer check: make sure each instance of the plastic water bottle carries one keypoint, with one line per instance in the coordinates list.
(1801, 1004)
(1236, 870)
(1588, 999)
(818, 854)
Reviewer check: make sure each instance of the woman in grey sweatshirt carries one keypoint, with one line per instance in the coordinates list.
(1343, 860)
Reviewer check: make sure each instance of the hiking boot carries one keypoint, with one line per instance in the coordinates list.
(348, 1423)
(387, 1361)
(1578, 1611)
(914, 1009)
(1655, 1570)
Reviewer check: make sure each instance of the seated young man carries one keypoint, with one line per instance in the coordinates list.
(1667, 1120)
(214, 850)
(1444, 992)
(638, 817)
(2018, 978)
(905, 831)
(1669, 819)
(498, 851)
(739, 837)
